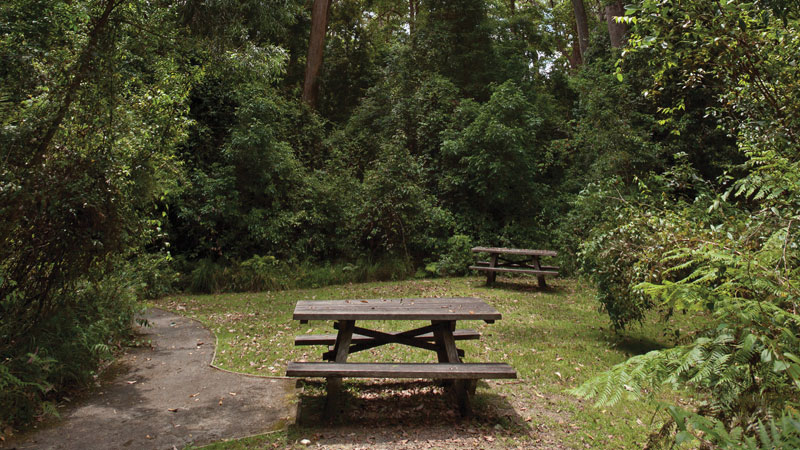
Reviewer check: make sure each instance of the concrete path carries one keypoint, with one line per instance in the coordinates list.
(169, 396)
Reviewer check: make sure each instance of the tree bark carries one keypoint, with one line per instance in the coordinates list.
(575, 59)
(316, 47)
(413, 8)
(582, 25)
(616, 31)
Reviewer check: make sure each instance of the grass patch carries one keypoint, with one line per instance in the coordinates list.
(554, 338)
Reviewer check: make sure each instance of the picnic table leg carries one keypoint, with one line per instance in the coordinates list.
(537, 265)
(334, 384)
(490, 275)
(447, 350)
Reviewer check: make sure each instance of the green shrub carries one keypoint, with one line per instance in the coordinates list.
(158, 277)
(457, 257)
(66, 348)
(260, 273)
(207, 277)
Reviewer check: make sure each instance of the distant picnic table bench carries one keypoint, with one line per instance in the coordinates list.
(440, 337)
(526, 261)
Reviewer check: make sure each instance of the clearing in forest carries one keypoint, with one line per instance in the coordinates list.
(555, 339)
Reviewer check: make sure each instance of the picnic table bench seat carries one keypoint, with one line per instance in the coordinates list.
(435, 371)
(513, 269)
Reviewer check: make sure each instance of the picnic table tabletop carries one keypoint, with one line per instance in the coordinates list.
(515, 251)
(448, 309)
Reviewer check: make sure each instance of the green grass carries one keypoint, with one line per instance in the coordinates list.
(554, 338)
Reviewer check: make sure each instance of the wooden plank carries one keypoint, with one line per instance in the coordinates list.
(330, 339)
(514, 266)
(396, 309)
(447, 349)
(491, 277)
(513, 270)
(515, 251)
(340, 352)
(538, 266)
(436, 371)
(380, 338)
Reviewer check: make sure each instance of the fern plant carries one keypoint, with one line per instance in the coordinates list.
(745, 274)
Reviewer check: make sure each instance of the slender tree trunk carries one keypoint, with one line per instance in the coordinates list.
(413, 7)
(582, 25)
(316, 47)
(82, 69)
(575, 60)
(616, 31)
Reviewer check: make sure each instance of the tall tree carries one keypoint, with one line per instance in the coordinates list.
(582, 24)
(316, 47)
(616, 30)
(455, 40)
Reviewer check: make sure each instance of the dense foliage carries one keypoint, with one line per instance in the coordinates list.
(153, 146)
(728, 248)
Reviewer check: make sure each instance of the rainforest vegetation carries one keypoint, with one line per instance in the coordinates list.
(148, 147)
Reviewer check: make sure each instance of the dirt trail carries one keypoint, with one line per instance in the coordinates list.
(169, 396)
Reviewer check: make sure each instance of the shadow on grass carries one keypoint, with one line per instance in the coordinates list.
(523, 285)
(385, 412)
(637, 345)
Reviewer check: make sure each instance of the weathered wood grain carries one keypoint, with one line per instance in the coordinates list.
(514, 251)
(435, 371)
(467, 308)
(330, 339)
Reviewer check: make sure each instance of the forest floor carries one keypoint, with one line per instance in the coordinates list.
(555, 338)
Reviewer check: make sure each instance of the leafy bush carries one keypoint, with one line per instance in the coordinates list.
(66, 349)
(457, 257)
(632, 235)
(397, 215)
(208, 277)
(734, 257)
(157, 275)
(260, 274)
(92, 107)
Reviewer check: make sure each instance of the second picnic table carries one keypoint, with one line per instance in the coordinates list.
(440, 337)
(526, 261)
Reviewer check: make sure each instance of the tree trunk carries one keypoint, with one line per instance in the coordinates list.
(582, 25)
(616, 31)
(413, 8)
(575, 59)
(316, 47)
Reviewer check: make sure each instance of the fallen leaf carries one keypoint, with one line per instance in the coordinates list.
(173, 410)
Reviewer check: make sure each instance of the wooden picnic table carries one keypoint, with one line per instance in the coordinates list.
(523, 260)
(440, 337)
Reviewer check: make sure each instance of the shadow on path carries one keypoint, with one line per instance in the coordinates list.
(169, 395)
